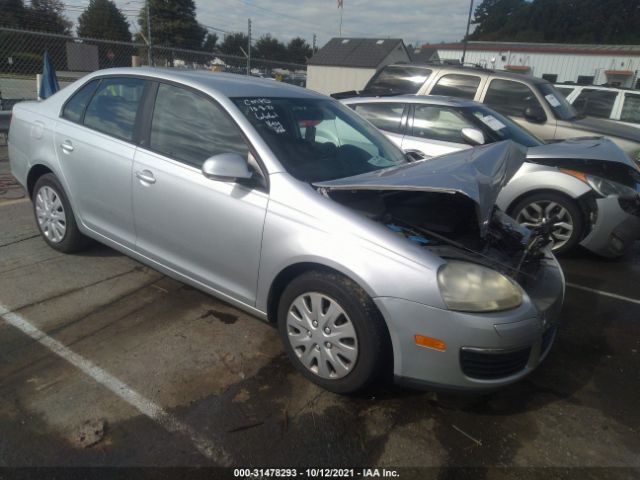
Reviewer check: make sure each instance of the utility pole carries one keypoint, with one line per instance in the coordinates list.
(249, 47)
(149, 54)
(313, 48)
(464, 48)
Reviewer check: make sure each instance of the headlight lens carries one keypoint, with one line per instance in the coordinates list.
(608, 188)
(468, 287)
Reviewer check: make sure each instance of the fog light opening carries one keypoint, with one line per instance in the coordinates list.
(429, 342)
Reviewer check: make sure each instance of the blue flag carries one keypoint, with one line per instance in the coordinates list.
(49, 83)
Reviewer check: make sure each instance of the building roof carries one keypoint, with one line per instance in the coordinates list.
(562, 48)
(355, 52)
(423, 54)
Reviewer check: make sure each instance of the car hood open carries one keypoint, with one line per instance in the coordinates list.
(595, 148)
(478, 174)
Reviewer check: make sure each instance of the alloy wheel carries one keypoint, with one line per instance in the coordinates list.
(540, 211)
(50, 214)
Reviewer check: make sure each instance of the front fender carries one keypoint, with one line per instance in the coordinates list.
(532, 177)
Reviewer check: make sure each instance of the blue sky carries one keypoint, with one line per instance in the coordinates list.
(413, 20)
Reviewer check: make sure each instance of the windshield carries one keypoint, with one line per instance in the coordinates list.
(557, 101)
(499, 127)
(319, 139)
(398, 79)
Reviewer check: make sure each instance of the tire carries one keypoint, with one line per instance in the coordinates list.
(54, 216)
(568, 209)
(360, 318)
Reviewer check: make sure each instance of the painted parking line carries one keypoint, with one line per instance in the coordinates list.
(13, 202)
(145, 406)
(603, 293)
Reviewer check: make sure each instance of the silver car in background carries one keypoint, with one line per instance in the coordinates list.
(369, 263)
(588, 186)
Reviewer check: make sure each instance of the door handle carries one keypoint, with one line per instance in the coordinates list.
(67, 146)
(146, 176)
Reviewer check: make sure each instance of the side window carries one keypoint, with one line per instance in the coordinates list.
(74, 108)
(191, 128)
(385, 116)
(631, 108)
(463, 86)
(438, 123)
(114, 106)
(595, 103)
(510, 98)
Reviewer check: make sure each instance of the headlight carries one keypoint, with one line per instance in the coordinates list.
(468, 287)
(607, 188)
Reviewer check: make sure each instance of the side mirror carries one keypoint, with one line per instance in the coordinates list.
(473, 136)
(226, 167)
(535, 114)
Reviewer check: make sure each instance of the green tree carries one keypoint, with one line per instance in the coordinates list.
(270, 48)
(102, 19)
(173, 24)
(48, 16)
(234, 44)
(14, 14)
(210, 42)
(298, 50)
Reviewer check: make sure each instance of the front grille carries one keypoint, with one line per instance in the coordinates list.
(493, 365)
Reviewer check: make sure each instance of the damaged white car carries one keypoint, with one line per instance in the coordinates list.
(369, 263)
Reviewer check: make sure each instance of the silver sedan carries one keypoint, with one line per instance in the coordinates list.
(288, 205)
(589, 186)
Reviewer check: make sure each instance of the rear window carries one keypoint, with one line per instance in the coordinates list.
(398, 79)
(631, 108)
(462, 86)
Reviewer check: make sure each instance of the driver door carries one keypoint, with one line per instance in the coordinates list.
(206, 230)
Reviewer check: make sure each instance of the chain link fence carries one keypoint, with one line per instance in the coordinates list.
(22, 51)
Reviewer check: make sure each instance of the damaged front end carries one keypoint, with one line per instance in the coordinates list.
(447, 205)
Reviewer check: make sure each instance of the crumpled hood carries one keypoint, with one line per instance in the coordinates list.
(478, 173)
(608, 128)
(596, 148)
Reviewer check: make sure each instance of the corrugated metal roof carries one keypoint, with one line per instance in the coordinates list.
(566, 48)
(355, 52)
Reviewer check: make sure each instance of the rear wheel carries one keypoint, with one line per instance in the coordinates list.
(535, 209)
(54, 216)
(332, 331)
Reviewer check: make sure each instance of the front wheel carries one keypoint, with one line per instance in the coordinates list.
(535, 209)
(333, 332)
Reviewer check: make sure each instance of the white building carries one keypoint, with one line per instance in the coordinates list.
(345, 64)
(617, 65)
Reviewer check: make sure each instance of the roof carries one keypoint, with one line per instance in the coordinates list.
(565, 48)
(355, 52)
(477, 70)
(226, 84)
(424, 99)
(423, 54)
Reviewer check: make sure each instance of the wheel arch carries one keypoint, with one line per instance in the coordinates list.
(35, 172)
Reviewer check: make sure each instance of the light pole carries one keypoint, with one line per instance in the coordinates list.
(149, 54)
(464, 48)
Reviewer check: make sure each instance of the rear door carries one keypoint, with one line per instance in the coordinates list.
(207, 230)
(435, 130)
(95, 142)
(387, 116)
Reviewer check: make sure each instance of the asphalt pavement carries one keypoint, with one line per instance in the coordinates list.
(106, 362)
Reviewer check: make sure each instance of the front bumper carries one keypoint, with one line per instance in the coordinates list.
(484, 351)
(616, 228)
